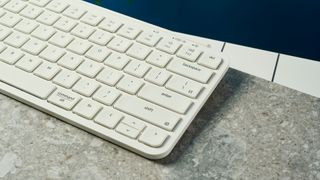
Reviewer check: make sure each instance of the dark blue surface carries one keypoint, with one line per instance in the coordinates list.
(285, 26)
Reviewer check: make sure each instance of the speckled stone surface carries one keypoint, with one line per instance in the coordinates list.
(248, 129)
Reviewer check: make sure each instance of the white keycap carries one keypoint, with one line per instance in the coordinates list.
(66, 78)
(138, 51)
(61, 39)
(110, 25)
(91, 19)
(86, 87)
(108, 118)
(48, 18)
(82, 31)
(65, 24)
(39, 2)
(127, 131)
(70, 61)
(100, 37)
(74, 12)
(2, 47)
(2, 12)
(129, 84)
(89, 68)
(190, 70)
(149, 38)
(34, 46)
(10, 55)
(129, 32)
(9, 19)
(106, 95)
(16, 39)
(31, 11)
(147, 111)
(28, 63)
(210, 61)
(119, 44)
(134, 123)
(26, 26)
(43, 32)
(3, 2)
(4, 32)
(165, 98)
(57, 6)
(184, 86)
(137, 68)
(109, 76)
(189, 53)
(153, 137)
(25, 81)
(157, 76)
(117, 61)
(79, 46)
(52, 53)
(159, 58)
(15, 6)
(87, 109)
(168, 45)
(98, 53)
(47, 70)
(64, 99)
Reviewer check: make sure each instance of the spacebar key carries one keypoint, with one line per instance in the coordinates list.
(25, 81)
(151, 113)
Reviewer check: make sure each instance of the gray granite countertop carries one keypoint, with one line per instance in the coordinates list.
(248, 129)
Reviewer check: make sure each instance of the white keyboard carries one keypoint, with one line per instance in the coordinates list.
(124, 80)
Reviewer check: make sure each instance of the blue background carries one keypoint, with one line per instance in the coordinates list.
(286, 26)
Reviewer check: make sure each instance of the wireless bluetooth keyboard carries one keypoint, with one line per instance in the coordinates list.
(126, 81)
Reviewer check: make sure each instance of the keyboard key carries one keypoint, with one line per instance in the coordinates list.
(134, 123)
(48, 18)
(100, 37)
(26, 26)
(3, 2)
(168, 45)
(137, 68)
(43, 32)
(47, 71)
(39, 2)
(146, 111)
(31, 12)
(106, 95)
(70, 61)
(10, 56)
(65, 24)
(108, 118)
(98, 53)
(148, 38)
(153, 137)
(57, 6)
(189, 53)
(74, 12)
(61, 39)
(25, 81)
(165, 98)
(52, 53)
(119, 44)
(87, 109)
(64, 99)
(66, 78)
(89, 68)
(210, 61)
(127, 131)
(129, 32)
(190, 70)
(15, 6)
(110, 25)
(157, 76)
(91, 19)
(10, 19)
(130, 85)
(138, 51)
(4, 32)
(79, 46)
(34, 46)
(16, 39)
(109, 76)
(82, 31)
(28, 63)
(117, 61)
(158, 58)
(184, 86)
(86, 87)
